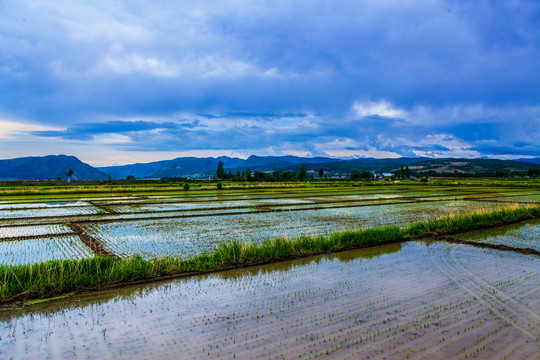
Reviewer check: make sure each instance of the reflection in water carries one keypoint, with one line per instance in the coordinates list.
(344, 256)
(189, 236)
(377, 302)
(520, 235)
(140, 291)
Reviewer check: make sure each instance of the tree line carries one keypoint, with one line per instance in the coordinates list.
(248, 175)
(403, 173)
(300, 175)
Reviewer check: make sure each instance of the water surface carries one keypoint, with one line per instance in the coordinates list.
(418, 299)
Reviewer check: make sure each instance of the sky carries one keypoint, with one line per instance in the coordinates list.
(118, 82)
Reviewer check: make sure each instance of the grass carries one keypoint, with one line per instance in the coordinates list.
(59, 277)
(44, 189)
(483, 217)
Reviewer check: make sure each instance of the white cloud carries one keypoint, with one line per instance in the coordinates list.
(211, 66)
(11, 129)
(455, 147)
(466, 114)
(111, 139)
(82, 22)
(138, 64)
(380, 108)
(351, 148)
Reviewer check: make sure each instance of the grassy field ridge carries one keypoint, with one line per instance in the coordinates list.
(59, 277)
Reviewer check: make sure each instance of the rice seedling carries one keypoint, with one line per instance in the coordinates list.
(420, 299)
(231, 254)
(523, 236)
(38, 250)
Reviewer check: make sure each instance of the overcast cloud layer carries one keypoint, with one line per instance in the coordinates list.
(135, 81)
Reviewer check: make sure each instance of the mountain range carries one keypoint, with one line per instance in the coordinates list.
(48, 167)
(204, 167)
(53, 166)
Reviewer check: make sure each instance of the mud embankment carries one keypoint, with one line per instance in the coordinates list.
(92, 243)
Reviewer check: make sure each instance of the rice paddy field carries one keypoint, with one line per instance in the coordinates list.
(182, 224)
(517, 236)
(420, 299)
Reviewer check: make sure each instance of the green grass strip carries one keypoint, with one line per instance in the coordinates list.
(53, 278)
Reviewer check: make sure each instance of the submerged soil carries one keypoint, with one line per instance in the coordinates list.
(525, 251)
(516, 236)
(92, 243)
(420, 299)
(415, 299)
(479, 243)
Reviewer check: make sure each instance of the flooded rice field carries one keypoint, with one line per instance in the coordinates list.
(189, 223)
(522, 235)
(416, 300)
(190, 236)
(29, 251)
(29, 212)
(32, 230)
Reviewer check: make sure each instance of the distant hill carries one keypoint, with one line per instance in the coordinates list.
(339, 166)
(418, 165)
(47, 167)
(53, 166)
(202, 167)
(187, 166)
(532, 161)
(179, 167)
(274, 162)
(467, 166)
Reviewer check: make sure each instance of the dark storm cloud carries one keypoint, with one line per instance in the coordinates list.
(294, 69)
(87, 131)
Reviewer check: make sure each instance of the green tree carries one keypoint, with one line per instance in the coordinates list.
(354, 175)
(109, 176)
(69, 175)
(258, 176)
(321, 173)
(366, 174)
(220, 172)
(186, 186)
(407, 172)
(130, 177)
(248, 175)
(302, 173)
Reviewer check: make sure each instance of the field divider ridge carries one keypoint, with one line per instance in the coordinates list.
(19, 283)
(453, 240)
(92, 243)
(269, 208)
(41, 236)
(102, 207)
